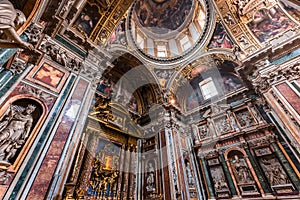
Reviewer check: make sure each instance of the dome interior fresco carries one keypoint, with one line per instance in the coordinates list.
(162, 16)
(168, 29)
(150, 99)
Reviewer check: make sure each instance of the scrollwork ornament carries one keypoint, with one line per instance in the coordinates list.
(17, 67)
(38, 93)
(4, 177)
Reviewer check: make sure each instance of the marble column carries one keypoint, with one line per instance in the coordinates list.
(139, 171)
(7, 53)
(5, 76)
(207, 178)
(132, 192)
(290, 171)
(125, 179)
(228, 176)
(258, 172)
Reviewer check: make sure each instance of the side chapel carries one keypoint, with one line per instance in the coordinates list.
(149, 99)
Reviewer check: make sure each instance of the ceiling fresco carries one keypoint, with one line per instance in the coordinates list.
(167, 30)
(162, 16)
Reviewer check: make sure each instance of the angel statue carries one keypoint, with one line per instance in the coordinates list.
(10, 20)
(14, 130)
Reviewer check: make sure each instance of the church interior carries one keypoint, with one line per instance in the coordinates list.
(149, 99)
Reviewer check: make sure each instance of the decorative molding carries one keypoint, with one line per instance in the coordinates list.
(263, 82)
(60, 55)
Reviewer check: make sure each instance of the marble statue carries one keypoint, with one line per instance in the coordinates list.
(14, 130)
(150, 178)
(10, 20)
(189, 174)
(241, 171)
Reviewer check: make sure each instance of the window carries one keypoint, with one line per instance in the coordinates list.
(208, 88)
(140, 41)
(185, 43)
(161, 51)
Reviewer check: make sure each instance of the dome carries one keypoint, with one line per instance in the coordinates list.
(165, 30)
(163, 16)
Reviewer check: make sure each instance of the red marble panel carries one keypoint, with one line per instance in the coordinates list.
(165, 169)
(42, 181)
(48, 75)
(292, 98)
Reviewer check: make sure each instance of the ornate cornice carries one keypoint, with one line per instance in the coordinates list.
(264, 81)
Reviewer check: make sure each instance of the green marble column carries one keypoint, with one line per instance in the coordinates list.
(5, 75)
(258, 172)
(209, 184)
(228, 176)
(7, 53)
(292, 175)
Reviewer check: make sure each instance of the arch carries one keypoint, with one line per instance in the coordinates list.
(242, 172)
(132, 77)
(215, 66)
(38, 115)
(228, 151)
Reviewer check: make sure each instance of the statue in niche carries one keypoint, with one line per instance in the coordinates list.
(150, 178)
(241, 171)
(10, 20)
(14, 130)
(191, 180)
(274, 172)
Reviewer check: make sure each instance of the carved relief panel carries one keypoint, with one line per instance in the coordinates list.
(218, 178)
(274, 171)
(222, 125)
(244, 118)
(204, 131)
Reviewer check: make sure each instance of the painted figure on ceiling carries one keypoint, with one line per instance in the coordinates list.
(267, 23)
(220, 38)
(10, 20)
(291, 8)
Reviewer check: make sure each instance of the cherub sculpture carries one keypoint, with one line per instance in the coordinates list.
(10, 20)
